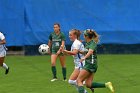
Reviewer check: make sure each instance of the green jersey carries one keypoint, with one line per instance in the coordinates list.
(56, 40)
(92, 58)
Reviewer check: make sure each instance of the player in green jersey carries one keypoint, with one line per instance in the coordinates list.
(90, 67)
(56, 44)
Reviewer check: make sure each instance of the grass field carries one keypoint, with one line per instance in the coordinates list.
(32, 74)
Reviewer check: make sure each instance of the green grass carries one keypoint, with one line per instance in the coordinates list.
(32, 74)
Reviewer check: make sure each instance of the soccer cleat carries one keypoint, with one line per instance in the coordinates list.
(109, 86)
(64, 79)
(7, 71)
(92, 89)
(85, 91)
(54, 79)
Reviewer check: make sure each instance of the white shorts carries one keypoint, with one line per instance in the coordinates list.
(2, 53)
(78, 68)
(79, 65)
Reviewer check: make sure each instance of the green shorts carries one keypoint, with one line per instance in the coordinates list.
(55, 51)
(92, 68)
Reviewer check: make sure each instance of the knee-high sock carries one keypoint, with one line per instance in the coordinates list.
(5, 66)
(54, 71)
(64, 72)
(97, 85)
(81, 89)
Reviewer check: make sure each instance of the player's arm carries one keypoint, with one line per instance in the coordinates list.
(50, 43)
(63, 42)
(74, 52)
(90, 52)
(61, 47)
(82, 52)
(50, 40)
(3, 42)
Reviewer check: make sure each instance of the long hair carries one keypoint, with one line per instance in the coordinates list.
(96, 37)
(77, 33)
(92, 34)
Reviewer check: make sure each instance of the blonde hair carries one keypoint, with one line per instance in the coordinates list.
(76, 32)
(92, 34)
(95, 37)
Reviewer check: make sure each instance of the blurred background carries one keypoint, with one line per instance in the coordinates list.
(28, 23)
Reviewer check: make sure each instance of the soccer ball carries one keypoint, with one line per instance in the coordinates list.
(43, 49)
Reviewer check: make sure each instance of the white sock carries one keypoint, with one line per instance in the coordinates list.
(84, 82)
(73, 82)
(5, 66)
(85, 91)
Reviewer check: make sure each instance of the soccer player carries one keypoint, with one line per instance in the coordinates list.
(3, 53)
(90, 67)
(74, 36)
(56, 44)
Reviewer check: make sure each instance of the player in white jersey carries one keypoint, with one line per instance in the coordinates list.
(3, 53)
(78, 46)
(74, 36)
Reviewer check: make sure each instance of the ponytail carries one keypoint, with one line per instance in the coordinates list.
(95, 37)
(78, 34)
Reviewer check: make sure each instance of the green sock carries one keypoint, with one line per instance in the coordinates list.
(97, 85)
(81, 89)
(64, 72)
(54, 71)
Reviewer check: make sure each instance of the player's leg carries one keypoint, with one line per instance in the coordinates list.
(92, 69)
(73, 77)
(99, 85)
(2, 64)
(89, 82)
(63, 64)
(53, 64)
(81, 77)
(92, 85)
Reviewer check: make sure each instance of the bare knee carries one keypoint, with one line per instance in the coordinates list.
(79, 82)
(53, 62)
(1, 62)
(63, 64)
(88, 84)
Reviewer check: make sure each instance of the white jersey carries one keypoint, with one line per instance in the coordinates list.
(2, 46)
(79, 46)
